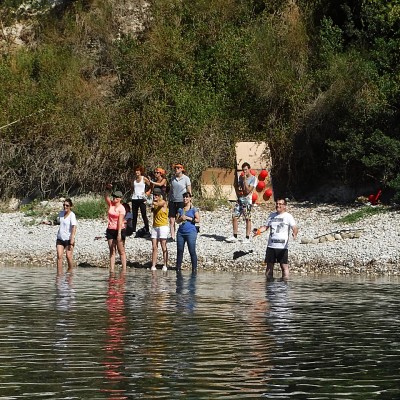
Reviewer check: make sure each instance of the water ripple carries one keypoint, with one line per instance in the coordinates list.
(92, 335)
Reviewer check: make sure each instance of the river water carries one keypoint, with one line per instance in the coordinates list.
(92, 335)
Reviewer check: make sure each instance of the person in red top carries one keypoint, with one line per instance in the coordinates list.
(115, 233)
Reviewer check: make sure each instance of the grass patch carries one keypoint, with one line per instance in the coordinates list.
(362, 213)
(210, 204)
(90, 209)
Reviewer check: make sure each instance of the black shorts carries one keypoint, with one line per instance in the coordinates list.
(113, 234)
(276, 255)
(64, 243)
(173, 207)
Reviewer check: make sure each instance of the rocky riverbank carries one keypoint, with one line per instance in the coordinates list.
(370, 247)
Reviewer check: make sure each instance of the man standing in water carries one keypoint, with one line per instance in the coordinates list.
(279, 223)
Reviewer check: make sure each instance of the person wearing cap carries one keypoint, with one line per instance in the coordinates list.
(187, 217)
(279, 223)
(180, 184)
(115, 233)
(160, 180)
(139, 184)
(159, 232)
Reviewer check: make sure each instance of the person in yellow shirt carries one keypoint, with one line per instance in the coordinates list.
(160, 229)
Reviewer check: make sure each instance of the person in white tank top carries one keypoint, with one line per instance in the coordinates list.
(139, 185)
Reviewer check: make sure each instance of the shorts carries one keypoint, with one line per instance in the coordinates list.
(64, 243)
(276, 255)
(113, 234)
(159, 232)
(173, 207)
(242, 208)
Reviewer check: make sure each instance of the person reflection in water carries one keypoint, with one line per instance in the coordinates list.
(115, 337)
(66, 236)
(187, 301)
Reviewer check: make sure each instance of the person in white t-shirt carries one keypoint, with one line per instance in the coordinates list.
(66, 236)
(279, 223)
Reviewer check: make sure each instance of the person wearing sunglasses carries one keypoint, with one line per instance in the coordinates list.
(160, 180)
(116, 232)
(187, 217)
(66, 236)
(279, 223)
(180, 184)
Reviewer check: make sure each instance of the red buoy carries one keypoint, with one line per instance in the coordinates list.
(263, 174)
(260, 186)
(268, 192)
(254, 197)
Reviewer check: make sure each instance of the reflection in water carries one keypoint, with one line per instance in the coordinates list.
(65, 293)
(210, 336)
(64, 302)
(279, 313)
(115, 337)
(186, 300)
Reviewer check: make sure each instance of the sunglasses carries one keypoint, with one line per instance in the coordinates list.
(66, 205)
(157, 172)
(186, 196)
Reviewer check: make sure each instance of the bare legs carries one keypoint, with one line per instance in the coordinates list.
(69, 255)
(115, 245)
(269, 271)
(235, 225)
(172, 226)
(154, 243)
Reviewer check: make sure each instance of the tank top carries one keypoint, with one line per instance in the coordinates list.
(139, 189)
(113, 216)
(160, 217)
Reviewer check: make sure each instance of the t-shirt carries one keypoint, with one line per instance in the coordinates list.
(113, 215)
(279, 229)
(178, 188)
(66, 224)
(187, 226)
(251, 181)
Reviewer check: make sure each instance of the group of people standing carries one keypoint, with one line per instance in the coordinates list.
(167, 206)
(172, 203)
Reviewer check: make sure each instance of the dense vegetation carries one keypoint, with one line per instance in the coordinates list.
(319, 80)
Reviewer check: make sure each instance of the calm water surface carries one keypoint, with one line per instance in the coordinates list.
(210, 336)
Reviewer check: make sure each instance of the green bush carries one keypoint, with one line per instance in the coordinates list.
(90, 209)
(361, 214)
(317, 80)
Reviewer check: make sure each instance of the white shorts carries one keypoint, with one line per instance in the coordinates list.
(159, 232)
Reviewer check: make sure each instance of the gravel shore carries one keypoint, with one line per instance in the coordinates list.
(375, 251)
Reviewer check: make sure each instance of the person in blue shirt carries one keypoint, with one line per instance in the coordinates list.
(187, 217)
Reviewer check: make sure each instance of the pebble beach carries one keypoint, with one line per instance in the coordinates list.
(373, 249)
